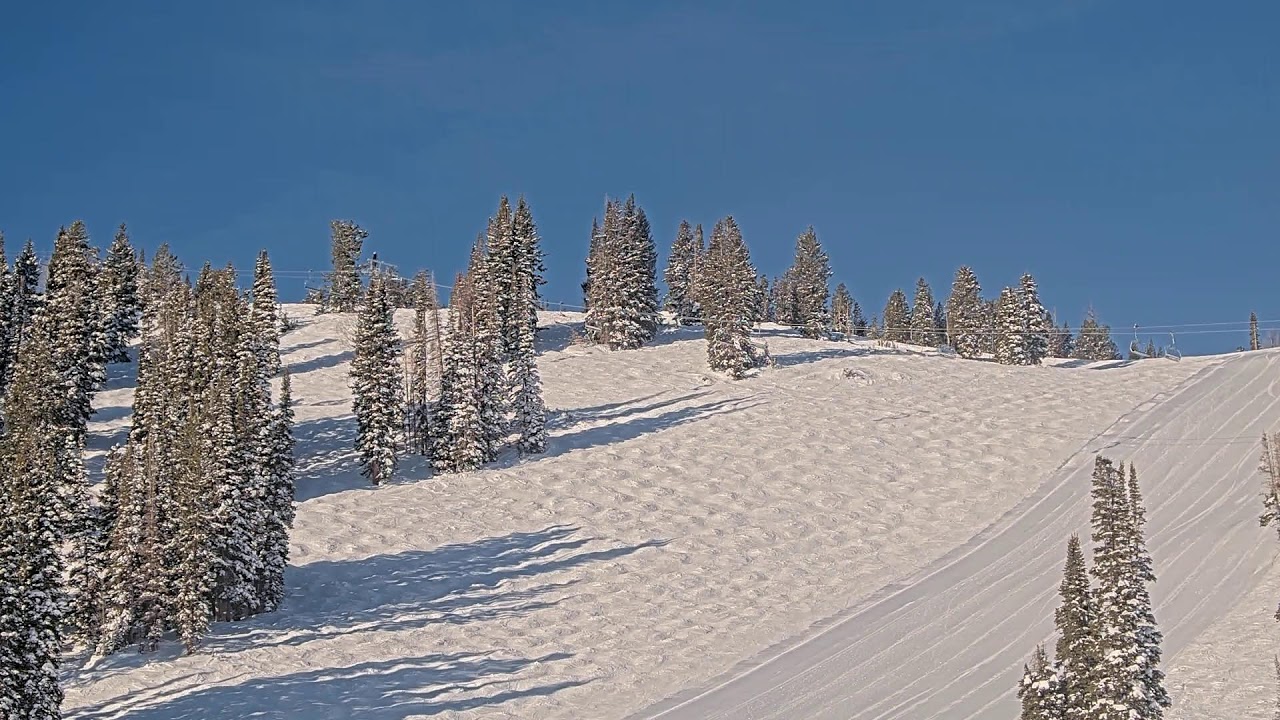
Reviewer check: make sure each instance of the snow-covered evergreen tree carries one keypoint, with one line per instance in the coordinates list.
(897, 318)
(728, 287)
(1035, 322)
(1117, 680)
(1254, 342)
(923, 331)
(119, 294)
(75, 326)
(785, 299)
(279, 499)
(524, 385)
(1152, 697)
(345, 287)
(1077, 648)
(34, 455)
(375, 383)
(965, 314)
(27, 297)
(1010, 322)
(842, 311)
(1093, 341)
(810, 274)
(679, 275)
(623, 308)
(939, 323)
(10, 332)
(859, 320)
(264, 319)
(1039, 692)
(764, 307)
(423, 366)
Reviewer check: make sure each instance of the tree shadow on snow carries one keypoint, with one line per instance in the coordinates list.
(384, 690)
(285, 349)
(632, 423)
(325, 459)
(811, 356)
(319, 363)
(457, 584)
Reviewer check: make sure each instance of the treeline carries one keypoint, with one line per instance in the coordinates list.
(191, 522)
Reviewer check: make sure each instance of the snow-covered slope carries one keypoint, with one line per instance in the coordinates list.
(679, 525)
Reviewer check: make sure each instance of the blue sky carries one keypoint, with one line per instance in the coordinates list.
(1126, 152)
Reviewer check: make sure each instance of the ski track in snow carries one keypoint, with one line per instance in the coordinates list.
(901, 515)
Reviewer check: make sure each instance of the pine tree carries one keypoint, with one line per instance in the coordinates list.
(375, 382)
(939, 323)
(728, 287)
(1119, 675)
(1010, 323)
(1152, 696)
(1077, 645)
(810, 274)
(423, 366)
(345, 287)
(897, 318)
(923, 330)
(9, 329)
(764, 306)
(1034, 321)
(75, 326)
(1093, 342)
(679, 275)
(623, 306)
(965, 314)
(1254, 343)
(33, 459)
(859, 320)
(279, 496)
(524, 385)
(264, 319)
(1061, 342)
(26, 291)
(842, 311)
(119, 293)
(1038, 691)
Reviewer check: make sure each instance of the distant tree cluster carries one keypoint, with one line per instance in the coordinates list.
(467, 387)
(1106, 664)
(621, 291)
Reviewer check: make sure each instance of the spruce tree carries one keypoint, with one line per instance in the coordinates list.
(623, 306)
(524, 385)
(375, 382)
(764, 307)
(280, 500)
(1093, 341)
(119, 293)
(34, 456)
(264, 319)
(1039, 691)
(1077, 648)
(679, 275)
(26, 289)
(1118, 676)
(965, 314)
(923, 328)
(1254, 343)
(939, 323)
(1153, 697)
(728, 284)
(1034, 321)
(9, 329)
(1010, 322)
(897, 318)
(422, 366)
(842, 311)
(345, 287)
(859, 320)
(810, 274)
(75, 326)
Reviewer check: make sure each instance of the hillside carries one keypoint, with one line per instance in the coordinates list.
(679, 524)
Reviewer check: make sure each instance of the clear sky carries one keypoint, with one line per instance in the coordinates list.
(1127, 152)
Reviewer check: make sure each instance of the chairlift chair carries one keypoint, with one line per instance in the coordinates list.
(1172, 352)
(1135, 348)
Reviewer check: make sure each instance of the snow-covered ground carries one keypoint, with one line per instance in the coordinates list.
(680, 525)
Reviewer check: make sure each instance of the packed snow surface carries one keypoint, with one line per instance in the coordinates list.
(860, 531)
